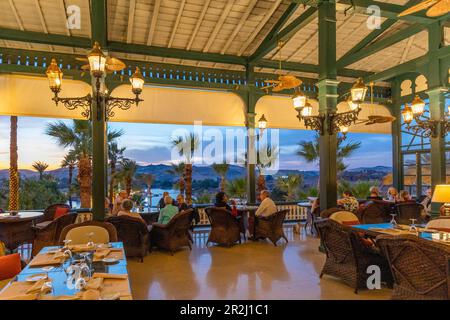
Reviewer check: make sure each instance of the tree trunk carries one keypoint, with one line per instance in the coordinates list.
(128, 182)
(85, 181)
(188, 177)
(13, 167)
(222, 183)
(111, 182)
(182, 185)
(149, 194)
(261, 185)
(70, 185)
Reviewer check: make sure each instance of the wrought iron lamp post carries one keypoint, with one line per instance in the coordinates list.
(335, 122)
(423, 124)
(97, 107)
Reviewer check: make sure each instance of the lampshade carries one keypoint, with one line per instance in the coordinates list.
(407, 114)
(358, 91)
(441, 193)
(299, 100)
(307, 110)
(417, 106)
(137, 81)
(54, 75)
(262, 122)
(343, 129)
(353, 106)
(97, 60)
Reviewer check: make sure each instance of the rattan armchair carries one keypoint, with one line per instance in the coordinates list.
(374, 212)
(133, 233)
(225, 229)
(271, 227)
(173, 235)
(47, 234)
(49, 212)
(90, 226)
(420, 267)
(347, 258)
(409, 210)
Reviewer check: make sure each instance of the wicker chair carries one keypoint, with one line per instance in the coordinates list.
(225, 229)
(49, 212)
(88, 225)
(374, 212)
(419, 267)
(328, 212)
(48, 234)
(173, 235)
(347, 257)
(271, 227)
(440, 224)
(408, 210)
(133, 233)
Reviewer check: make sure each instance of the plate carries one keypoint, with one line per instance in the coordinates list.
(110, 260)
(36, 277)
(104, 245)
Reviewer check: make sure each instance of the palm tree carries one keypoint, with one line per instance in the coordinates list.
(186, 147)
(148, 180)
(265, 158)
(237, 188)
(13, 167)
(115, 154)
(309, 150)
(178, 170)
(40, 167)
(290, 185)
(78, 136)
(127, 172)
(70, 162)
(221, 169)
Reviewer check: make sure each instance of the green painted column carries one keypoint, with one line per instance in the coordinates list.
(396, 131)
(98, 119)
(251, 135)
(327, 102)
(436, 82)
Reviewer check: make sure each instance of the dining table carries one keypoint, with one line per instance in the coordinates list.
(110, 266)
(16, 229)
(247, 212)
(376, 229)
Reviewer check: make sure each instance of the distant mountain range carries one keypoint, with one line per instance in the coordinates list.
(207, 173)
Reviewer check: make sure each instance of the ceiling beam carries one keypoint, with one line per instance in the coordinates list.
(389, 10)
(380, 45)
(99, 22)
(177, 22)
(218, 25)
(241, 23)
(42, 19)
(42, 38)
(130, 25)
(261, 25)
(199, 23)
(267, 46)
(151, 31)
(18, 20)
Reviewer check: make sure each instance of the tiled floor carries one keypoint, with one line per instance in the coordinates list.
(253, 270)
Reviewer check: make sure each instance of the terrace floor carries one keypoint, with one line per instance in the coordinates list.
(252, 270)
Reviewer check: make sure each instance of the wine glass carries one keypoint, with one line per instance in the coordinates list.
(393, 222)
(412, 226)
(66, 243)
(90, 242)
(47, 270)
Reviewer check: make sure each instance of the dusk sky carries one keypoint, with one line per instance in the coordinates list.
(150, 144)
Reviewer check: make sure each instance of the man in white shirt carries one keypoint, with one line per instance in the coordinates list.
(267, 206)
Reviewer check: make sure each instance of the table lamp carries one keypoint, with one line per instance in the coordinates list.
(442, 195)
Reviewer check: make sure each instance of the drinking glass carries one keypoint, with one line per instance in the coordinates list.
(393, 222)
(90, 242)
(412, 226)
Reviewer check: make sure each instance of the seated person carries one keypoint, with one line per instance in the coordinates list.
(392, 195)
(161, 203)
(426, 203)
(348, 202)
(181, 203)
(127, 206)
(234, 210)
(374, 194)
(404, 196)
(123, 195)
(168, 212)
(267, 206)
(221, 201)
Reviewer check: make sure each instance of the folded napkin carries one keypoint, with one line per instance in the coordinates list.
(37, 286)
(81, 247)
(94, 284)
(101, 253)
(21, 297)
(109, 276)
(90, 295)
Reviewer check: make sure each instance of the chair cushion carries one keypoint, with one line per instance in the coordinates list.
(60, 211)
(79, 235)
(10, 266)
(350, 222)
